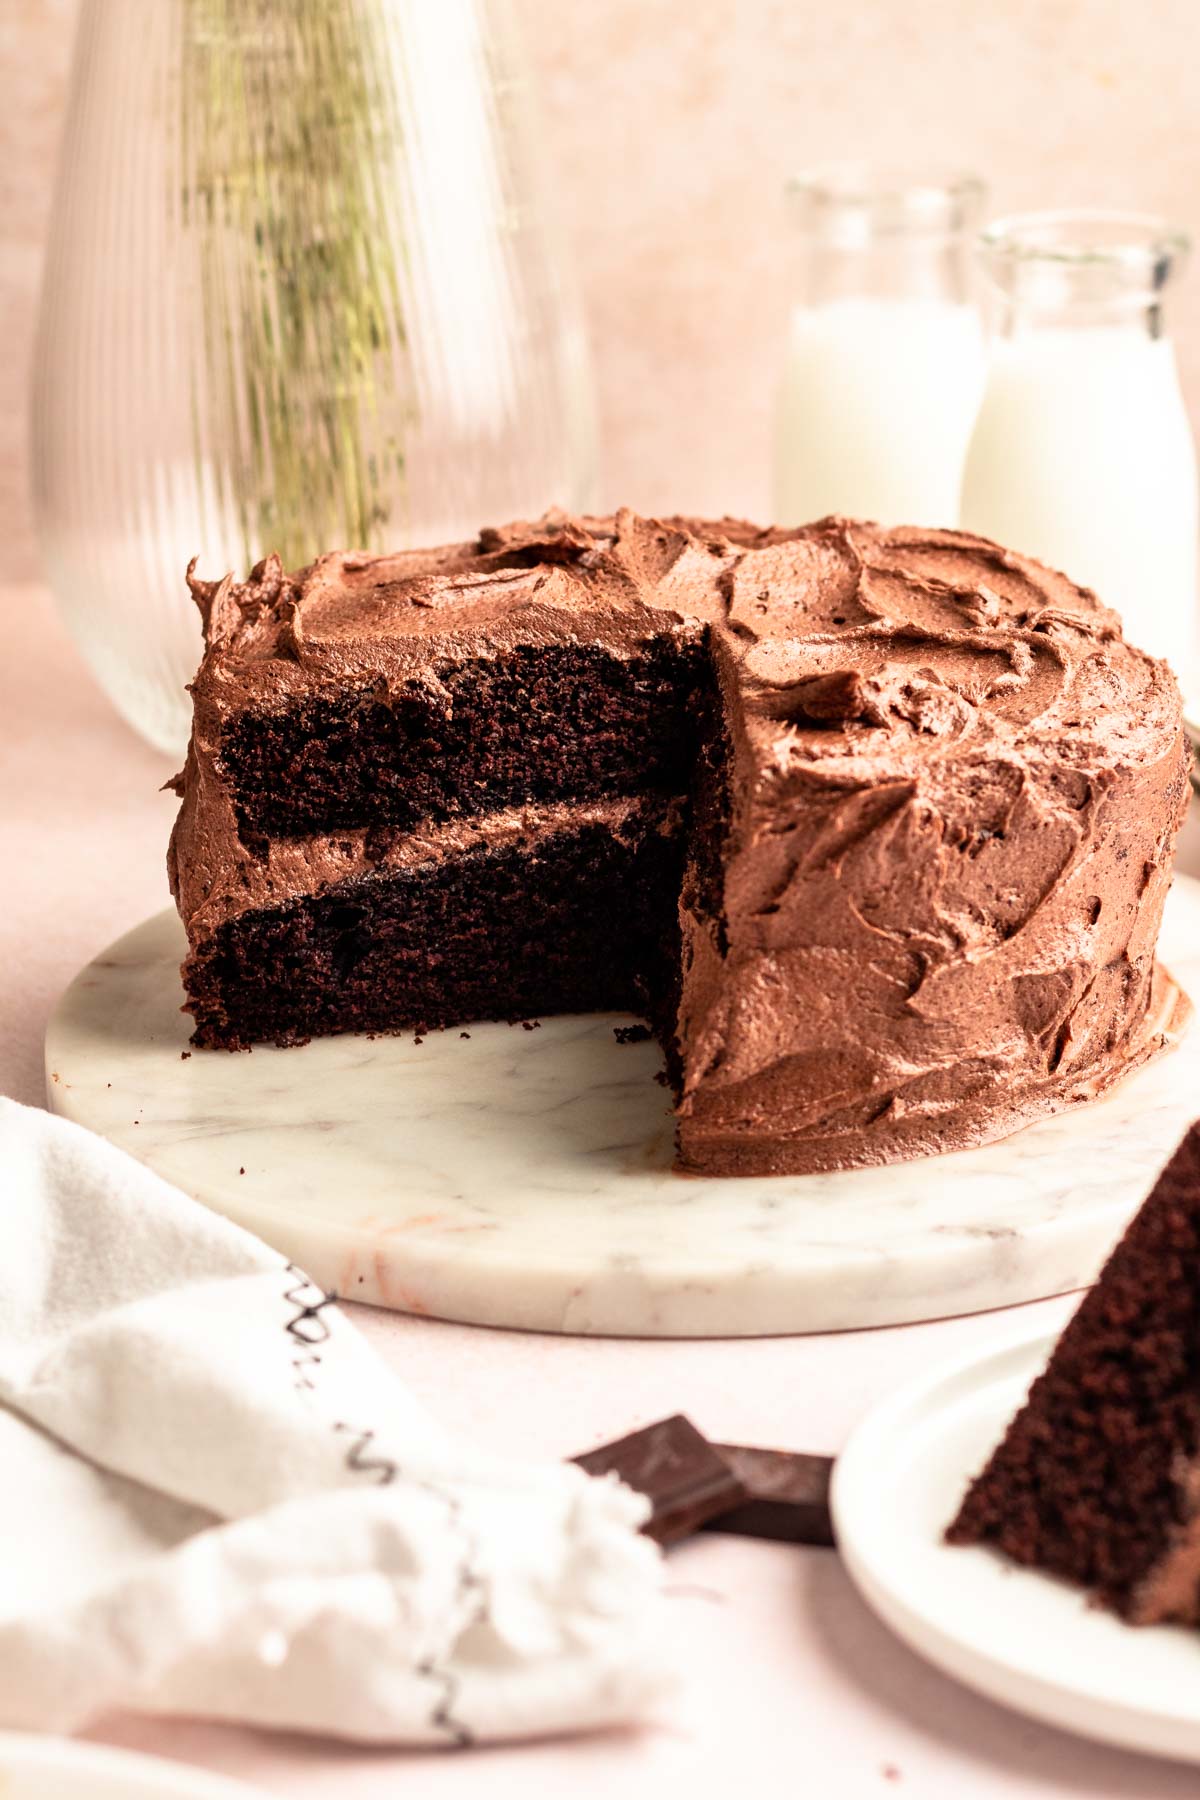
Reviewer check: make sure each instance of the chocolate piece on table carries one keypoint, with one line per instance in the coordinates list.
(787, 1496)
(687, 1481)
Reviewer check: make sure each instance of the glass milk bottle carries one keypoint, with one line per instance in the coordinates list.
(885, 355)
(1082, 454)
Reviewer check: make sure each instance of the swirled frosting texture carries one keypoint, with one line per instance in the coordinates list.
(954, 791)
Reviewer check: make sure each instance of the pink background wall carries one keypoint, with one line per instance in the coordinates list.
(672, 124)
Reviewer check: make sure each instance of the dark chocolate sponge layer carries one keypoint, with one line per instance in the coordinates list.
(559, 722)
(1098, 1477)
(582, 920)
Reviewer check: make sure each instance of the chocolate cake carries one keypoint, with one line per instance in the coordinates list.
(873, 827)
(1098, 1476)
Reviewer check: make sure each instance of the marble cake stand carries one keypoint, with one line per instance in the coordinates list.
(523, 1178)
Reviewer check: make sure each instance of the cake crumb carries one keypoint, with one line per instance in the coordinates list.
(241, 1171)
(465, 1034)
(632, 1034)
(184, 1055)
(891, 1773)
(531, 1024)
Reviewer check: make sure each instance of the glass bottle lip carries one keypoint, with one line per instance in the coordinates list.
(857, 203)
(1128, 244)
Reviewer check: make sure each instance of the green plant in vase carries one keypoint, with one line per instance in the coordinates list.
(290, 143)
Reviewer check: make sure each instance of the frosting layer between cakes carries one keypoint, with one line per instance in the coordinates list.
(929, 796)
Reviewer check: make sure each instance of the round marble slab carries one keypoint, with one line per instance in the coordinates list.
(523, 1177)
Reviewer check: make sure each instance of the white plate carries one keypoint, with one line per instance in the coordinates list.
(44, 1768)
(1025, 1639)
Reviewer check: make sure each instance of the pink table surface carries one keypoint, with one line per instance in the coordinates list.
(788, 1683)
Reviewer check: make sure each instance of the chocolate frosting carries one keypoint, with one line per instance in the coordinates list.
(955, 791)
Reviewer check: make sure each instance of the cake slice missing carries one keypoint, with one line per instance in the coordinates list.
(874, 827)
(1097, 1479)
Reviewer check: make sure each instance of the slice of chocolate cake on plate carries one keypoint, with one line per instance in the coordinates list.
(1098, 1477)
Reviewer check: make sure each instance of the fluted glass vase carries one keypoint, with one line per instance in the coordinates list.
(302, 291)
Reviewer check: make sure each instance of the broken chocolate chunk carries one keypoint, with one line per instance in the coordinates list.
(686, 1480)
(694, 1485)
(787, 1496)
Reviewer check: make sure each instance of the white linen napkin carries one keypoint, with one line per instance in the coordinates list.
(215, 1499)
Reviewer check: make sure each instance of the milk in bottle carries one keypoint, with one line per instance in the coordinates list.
(1082, 454)
(884, 364)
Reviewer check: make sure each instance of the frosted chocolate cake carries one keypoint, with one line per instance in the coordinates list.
(873, 827)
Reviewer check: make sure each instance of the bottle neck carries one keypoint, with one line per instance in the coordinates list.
(1013, 316)
(1083, 272)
